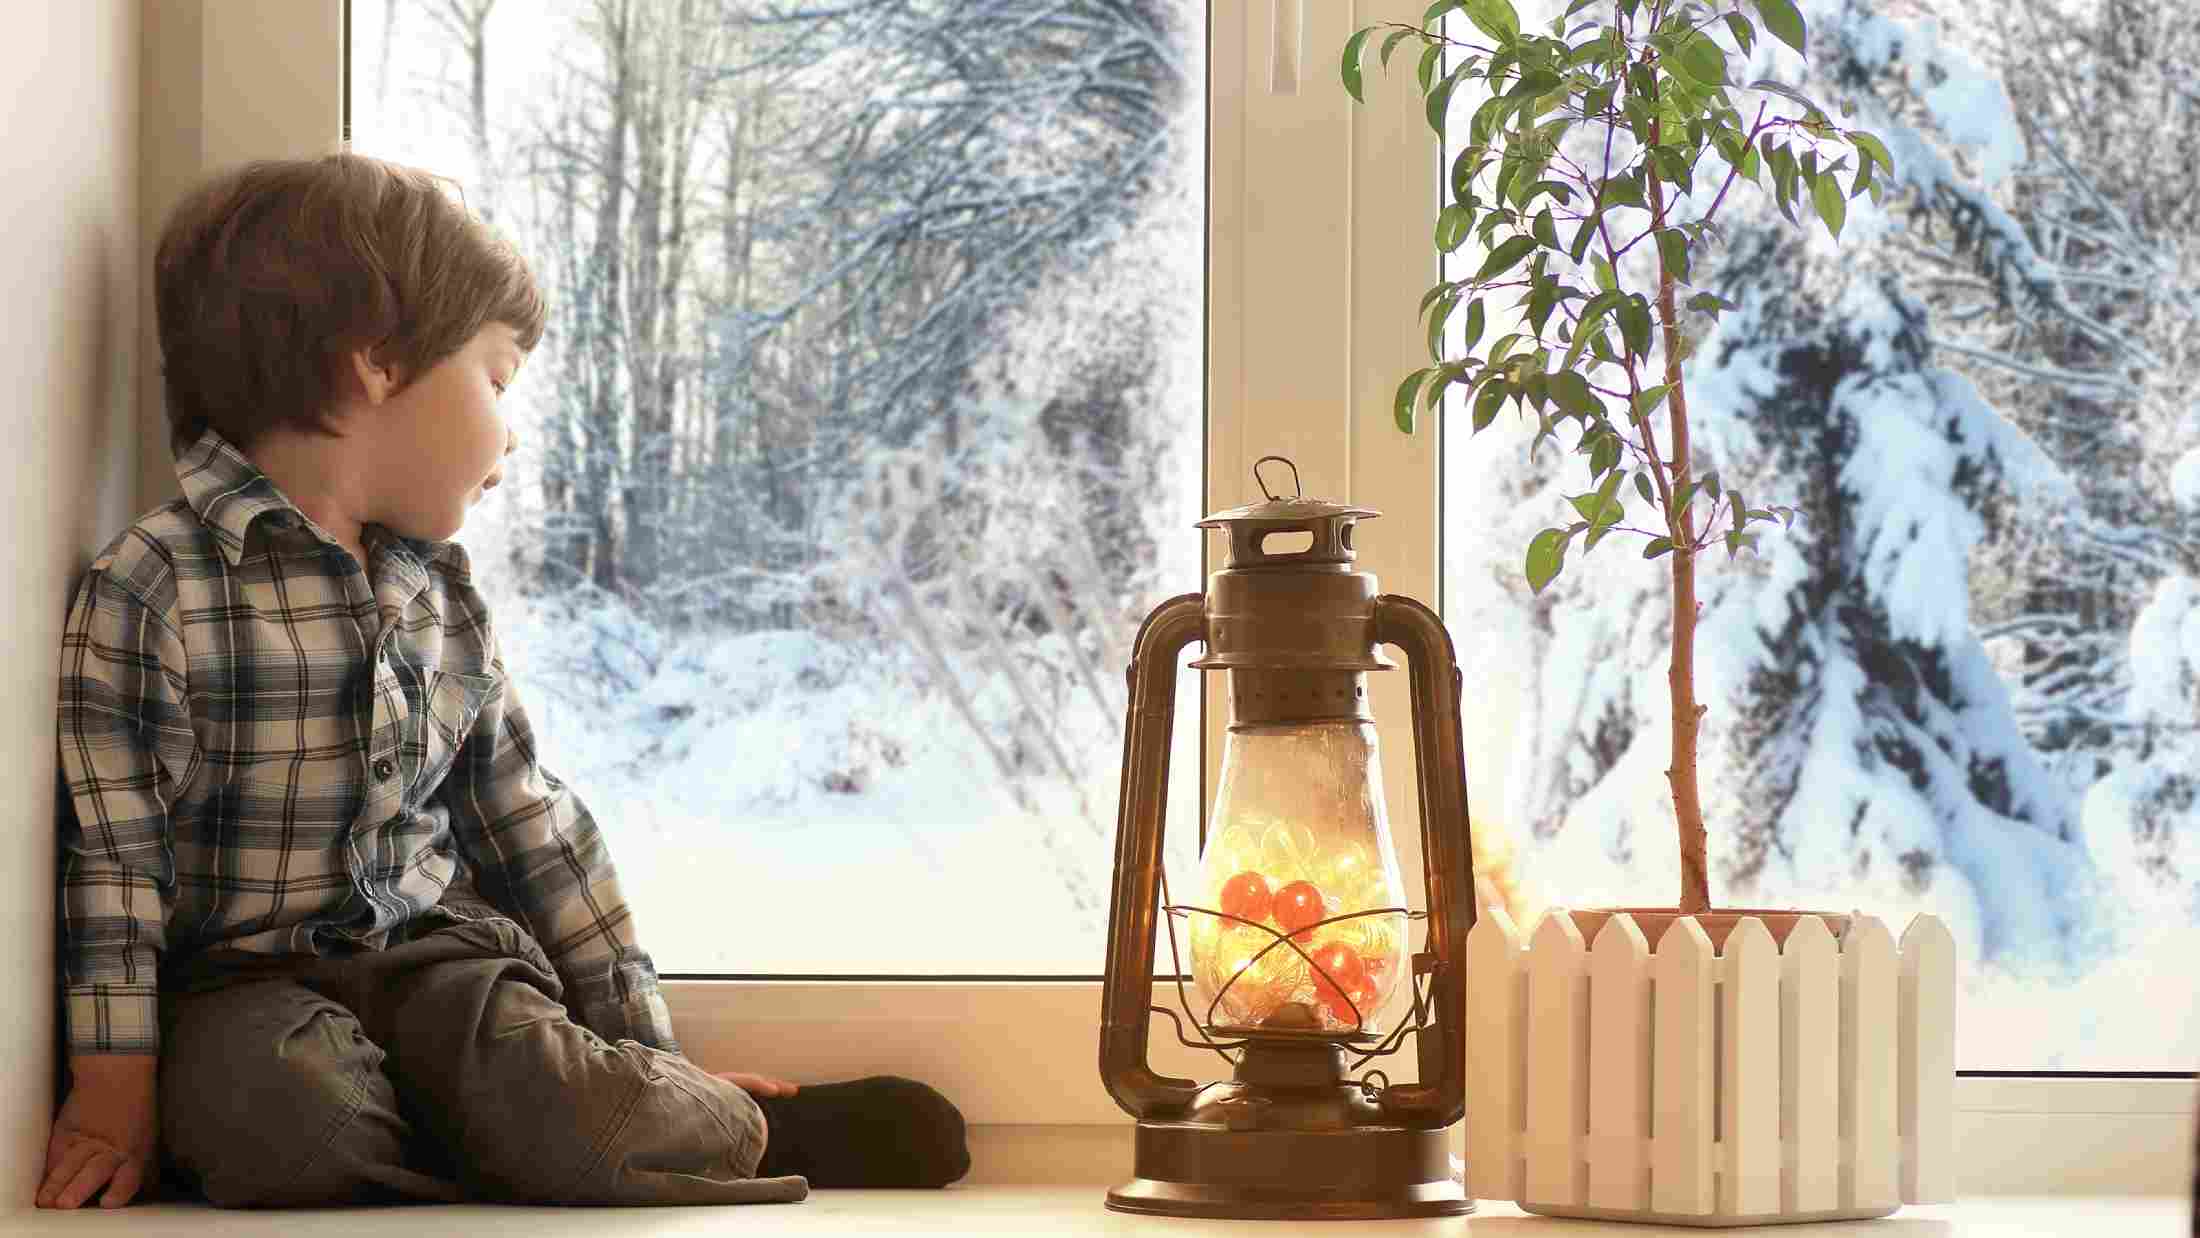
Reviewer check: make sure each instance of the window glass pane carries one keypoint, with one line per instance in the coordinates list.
(865, 431)
(1965, 681)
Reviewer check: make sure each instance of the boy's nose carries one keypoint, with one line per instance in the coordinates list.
(511, 440)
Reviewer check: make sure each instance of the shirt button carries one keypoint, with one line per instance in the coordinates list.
(383, 768)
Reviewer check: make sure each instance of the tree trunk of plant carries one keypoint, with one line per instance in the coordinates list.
(1681, 672)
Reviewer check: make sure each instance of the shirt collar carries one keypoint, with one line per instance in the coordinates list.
(231, 495)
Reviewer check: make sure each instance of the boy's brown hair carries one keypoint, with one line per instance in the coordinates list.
(268, 275)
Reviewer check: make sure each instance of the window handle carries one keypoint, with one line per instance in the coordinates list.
(1283, 65)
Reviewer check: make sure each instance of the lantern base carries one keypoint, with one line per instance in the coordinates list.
(1360, 1173)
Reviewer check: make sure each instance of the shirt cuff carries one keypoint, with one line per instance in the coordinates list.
(114, 1018)
(643, 1017)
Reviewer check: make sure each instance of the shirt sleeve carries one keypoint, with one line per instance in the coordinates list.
(126, 747)
(539, 858)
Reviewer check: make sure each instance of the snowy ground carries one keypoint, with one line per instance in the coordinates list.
(777, 804)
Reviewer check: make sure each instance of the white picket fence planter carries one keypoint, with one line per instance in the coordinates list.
(1694, 1086)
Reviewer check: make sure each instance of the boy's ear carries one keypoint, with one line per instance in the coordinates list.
(372, 381)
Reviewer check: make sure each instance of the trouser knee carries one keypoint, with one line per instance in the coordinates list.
(261, 1097)
(686, 1137)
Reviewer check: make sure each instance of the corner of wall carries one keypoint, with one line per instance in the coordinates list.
(66, 482)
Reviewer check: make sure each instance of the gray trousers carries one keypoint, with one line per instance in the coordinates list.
(444, 1068)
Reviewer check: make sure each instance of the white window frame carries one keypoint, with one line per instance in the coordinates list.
(1307, 339)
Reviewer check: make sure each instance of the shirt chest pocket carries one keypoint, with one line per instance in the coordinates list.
(449, 711)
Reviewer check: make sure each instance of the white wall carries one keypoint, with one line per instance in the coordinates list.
(69, 288)
(112, 108)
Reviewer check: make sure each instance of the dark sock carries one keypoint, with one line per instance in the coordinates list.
(873, 1132)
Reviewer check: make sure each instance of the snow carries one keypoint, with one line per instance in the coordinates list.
(2184, 480)
(779, 803)
(1967, 104)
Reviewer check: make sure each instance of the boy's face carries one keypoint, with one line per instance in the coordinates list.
(439, 444)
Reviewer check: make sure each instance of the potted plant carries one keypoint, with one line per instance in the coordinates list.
(1741, 1066)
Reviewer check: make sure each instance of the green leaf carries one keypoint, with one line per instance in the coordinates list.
(1832, 207)
(1701, 59)
(1745, 35)
(1541, 301)
(1407, 391)
(1390, 44)
(1546, 230)
(1623, 191)
(1505, 257)
(1496, 18)
(1534, 82)
(1658, 546)
(1784, 21)
(1436, 320)
(1647, 400)
(1598, 306)
(1590, 505)
(1673, 167)
(1582, 239)
(1711, 484)
(1432, 57)
(1454, 226)
(1605, 455)
(1634, 325)
(1572, 392)
(1474, 326)
(1486, 404)
(1711, 302)
(1613, 514)
(1605, 278)
(1866, 144)
(1791, 94)
(1439, 100)
(1863, 178)
(1673, 250)
(1546, 558)
(1446, 376)
(1352, 48)
(1642, 487)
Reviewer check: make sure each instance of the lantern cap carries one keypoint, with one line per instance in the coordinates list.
(1293, 509)
(1289, 510)
(1328, 526)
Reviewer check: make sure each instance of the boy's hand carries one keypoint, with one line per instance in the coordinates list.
(756, 1085)
(106, 1133)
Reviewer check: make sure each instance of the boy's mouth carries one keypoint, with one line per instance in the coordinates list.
(491, 483)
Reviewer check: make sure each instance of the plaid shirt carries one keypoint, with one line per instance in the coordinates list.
(264, 751)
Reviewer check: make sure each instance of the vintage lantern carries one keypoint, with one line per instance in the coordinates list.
(1298, 928)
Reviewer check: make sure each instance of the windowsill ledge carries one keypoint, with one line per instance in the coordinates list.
(1057, 1209)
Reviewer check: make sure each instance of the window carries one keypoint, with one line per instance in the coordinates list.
(1967, 681)
(867, 429)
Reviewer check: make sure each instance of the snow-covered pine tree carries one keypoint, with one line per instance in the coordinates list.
(1860, 748)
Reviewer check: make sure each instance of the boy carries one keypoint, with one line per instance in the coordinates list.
(330, 933)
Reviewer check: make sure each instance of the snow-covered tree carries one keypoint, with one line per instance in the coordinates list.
(1860, 747)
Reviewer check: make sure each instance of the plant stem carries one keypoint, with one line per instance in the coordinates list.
(1681, 672)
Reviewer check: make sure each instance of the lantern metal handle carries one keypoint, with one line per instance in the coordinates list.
(1126, 1000)
(1446, 855)
(1298, 490)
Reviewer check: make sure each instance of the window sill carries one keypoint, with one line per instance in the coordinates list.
(1056, 1209)
(1023, 1058)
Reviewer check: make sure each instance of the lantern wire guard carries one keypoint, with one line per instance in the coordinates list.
(1291, 1136)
